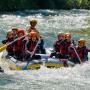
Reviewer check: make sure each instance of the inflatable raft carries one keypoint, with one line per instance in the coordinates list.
(14, 64)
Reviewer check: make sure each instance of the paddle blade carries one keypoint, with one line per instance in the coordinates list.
(3, 47)
(25, 67)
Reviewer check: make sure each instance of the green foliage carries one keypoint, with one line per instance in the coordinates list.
(14, 5)
(84, 4)
(60, 4)
(45, 4)
(29, 4)
(78, 3)
(69, 4)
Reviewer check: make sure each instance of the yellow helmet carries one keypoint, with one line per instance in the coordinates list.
(81, 41)
(33, 21)
(68, 35)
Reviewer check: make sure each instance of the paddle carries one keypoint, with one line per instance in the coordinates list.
(76, 52)
(4, 46)
(25, 68)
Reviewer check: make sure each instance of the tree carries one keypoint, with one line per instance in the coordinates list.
(69, 4)
(45, 4)
(84, 4)
(78, 3)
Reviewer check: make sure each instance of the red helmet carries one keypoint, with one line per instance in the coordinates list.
(21, 31)
(33, 34)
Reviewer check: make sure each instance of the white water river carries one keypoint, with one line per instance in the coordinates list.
(50, 22)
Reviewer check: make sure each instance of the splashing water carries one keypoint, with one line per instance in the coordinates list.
(50, 22)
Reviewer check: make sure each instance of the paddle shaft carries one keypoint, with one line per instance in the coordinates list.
(16, 40)
(76, 53)
(4, 46)
(32, 54)
(35, 48)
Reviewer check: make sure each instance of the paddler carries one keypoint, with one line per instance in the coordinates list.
(82, 51)
(58, 46)
(32, 27)
(15, 30)
(33, 24)
(67, 43)
(9, 38)
(19, 46)
(68, 39)
(31, 44)
(61, 46)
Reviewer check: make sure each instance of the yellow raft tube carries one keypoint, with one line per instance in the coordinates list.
(13, 64)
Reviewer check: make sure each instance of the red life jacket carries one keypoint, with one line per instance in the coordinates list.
(60, 46)
(72, 53)
(66, 46)
(31, 45)
(81, 52)
(63, 47)
(19, 46)
(57, 45)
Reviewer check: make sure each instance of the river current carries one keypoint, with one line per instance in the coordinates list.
(50, 22)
